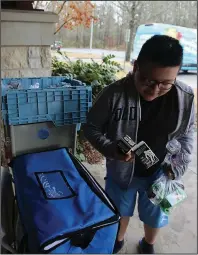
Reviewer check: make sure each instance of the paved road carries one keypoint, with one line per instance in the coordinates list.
(190, 79)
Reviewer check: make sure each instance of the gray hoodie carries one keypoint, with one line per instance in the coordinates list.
(117, 112)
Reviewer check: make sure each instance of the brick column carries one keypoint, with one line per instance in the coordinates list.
(26, 37)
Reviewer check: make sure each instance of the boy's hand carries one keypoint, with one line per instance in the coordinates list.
(125, 157)
(171, 175)
(168, 171)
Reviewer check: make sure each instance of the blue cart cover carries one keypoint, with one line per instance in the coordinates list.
(62, 207)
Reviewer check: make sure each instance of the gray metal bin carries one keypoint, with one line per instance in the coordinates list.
(40, 137)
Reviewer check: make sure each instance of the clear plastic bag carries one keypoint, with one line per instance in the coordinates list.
(35, 86)
(167, 193)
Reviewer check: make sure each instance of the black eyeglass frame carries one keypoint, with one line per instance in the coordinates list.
(151, 83)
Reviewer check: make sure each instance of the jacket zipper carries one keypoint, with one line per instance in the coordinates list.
(136, 133)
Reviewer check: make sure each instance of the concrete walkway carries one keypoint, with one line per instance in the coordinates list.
(181, 234)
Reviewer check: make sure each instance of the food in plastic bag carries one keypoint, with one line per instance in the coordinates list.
(156, 192)
(166, 193)
(60, 85)
(35, 86)
(14, 84)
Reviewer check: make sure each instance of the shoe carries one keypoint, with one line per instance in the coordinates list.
(118, 246)
(145, 248)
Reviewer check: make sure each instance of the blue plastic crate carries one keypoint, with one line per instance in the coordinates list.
(61, 105)
(8, 84)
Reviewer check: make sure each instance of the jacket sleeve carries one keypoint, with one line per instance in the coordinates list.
(97, 120)
(186, 140)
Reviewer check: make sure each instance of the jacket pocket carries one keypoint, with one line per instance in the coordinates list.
(119, 171)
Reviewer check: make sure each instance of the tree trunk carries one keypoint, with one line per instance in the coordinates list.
(132, 28)
(117, 36)
(77, 37)
(82, 38)
(130, 43)
(177, 7)
(121, 41)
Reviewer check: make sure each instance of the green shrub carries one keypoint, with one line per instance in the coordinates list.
(93, 74)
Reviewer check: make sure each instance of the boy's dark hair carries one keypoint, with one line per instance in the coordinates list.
(161, 50)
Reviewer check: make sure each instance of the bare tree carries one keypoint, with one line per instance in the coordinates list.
(115, 17)
(136, 12)
(169, 12)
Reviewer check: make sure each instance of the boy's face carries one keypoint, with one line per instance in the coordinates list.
(153, 81)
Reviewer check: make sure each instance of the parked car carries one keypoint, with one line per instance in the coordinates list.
(57, 45)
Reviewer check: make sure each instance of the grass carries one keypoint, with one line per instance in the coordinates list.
(79, 55)
(83, 55)
(121, 74)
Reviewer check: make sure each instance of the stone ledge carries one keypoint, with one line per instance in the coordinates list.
(28, 16)
(20, 73)
(27, 28)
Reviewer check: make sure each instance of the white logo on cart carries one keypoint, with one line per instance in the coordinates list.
(150, 156)
(50, 190)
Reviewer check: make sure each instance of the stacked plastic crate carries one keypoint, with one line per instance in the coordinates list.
(61, 100)
(58, 99)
